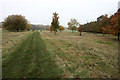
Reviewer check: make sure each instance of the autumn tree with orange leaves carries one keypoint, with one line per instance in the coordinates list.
(61, 28)
(114, 27)
(55, 22)
(104, 23)
(50, 28)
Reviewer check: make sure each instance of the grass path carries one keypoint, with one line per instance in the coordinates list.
(30, 60)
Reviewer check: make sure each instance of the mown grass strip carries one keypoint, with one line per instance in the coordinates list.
(103, 42)
(30, 60)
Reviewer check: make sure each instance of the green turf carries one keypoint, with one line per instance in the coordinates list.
(30, 60)
(103, 42)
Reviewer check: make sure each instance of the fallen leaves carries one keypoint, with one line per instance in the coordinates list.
(77, 77)
(86, 75)
(84, 66)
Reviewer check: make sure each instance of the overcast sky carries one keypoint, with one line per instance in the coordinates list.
(41, 11)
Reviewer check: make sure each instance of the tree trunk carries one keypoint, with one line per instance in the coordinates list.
(80, 34)
(55, 32)
(28, 29)
(17, 30)
(72, 31)
(118, 36)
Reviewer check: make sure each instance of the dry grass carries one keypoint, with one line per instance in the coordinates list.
(0, 40)
(90, 55)
(9, 39)
(87, 56)
(30, 60)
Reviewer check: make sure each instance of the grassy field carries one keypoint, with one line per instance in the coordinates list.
(90, 55)
(0, 37)
(30, 60)
(0, 53)
(65, 55)
(11, 39)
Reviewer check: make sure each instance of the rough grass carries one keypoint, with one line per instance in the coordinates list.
(11, 39)
(30, 60)
(87, 56)
(0, 40)
(0, 53)
(65, 55)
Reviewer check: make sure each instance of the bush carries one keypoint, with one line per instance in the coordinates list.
(33, 30)
(15, 23)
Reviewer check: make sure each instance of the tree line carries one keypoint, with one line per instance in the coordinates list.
(104, 24)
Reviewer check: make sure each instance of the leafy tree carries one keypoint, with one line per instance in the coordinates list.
(114, 23)
(97, 26)
(112, 26)
(80, 29)
(104, 23)
(107, 29)
(15, 22)
(61, 28)
(55, 22)
(29, 26)
(72, 25)
(92, 27)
